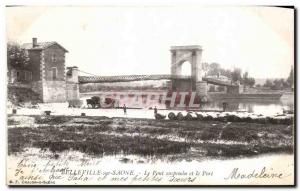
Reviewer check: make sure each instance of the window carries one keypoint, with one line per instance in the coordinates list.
(53, 58)
(18, 76)
(54, 73)
(13, 76)
(28, 75)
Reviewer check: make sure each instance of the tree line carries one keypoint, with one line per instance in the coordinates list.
(280, 84)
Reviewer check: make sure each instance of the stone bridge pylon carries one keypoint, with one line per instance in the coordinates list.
(191, 54)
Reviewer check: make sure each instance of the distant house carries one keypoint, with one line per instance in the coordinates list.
(45, 72)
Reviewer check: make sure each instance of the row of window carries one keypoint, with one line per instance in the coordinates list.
(21, 76)
(24, 75)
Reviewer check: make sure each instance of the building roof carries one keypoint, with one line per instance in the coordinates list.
(41, 46)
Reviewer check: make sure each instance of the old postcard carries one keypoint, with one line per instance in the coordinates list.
(150, 95)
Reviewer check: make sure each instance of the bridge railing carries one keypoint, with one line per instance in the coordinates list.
(99, 79)
(91, 79)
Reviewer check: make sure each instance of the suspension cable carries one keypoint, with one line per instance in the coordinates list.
(87, 73)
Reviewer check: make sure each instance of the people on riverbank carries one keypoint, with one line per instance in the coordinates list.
(125, 109)
(155, 110)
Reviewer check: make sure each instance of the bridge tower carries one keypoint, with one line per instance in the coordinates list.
(192, 54)
(72, 86)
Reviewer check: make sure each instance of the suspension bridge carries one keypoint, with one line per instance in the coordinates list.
(127, 78)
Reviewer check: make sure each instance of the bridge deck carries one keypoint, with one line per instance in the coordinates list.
(127, 78)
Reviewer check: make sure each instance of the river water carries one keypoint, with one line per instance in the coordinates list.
(257, 106)
(264, 107)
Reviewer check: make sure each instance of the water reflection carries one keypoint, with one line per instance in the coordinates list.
(264, 107)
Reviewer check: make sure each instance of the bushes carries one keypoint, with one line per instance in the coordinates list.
(100, 144)
(210, 133)
(51, 119)
(19, 95)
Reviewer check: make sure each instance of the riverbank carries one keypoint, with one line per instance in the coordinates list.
(146, 137)
(57, 149)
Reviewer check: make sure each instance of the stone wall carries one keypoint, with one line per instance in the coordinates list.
(235, 89)
(17, 94)
(58, 62)
(37, 87)
(72, 85)
(54, 91)
(34, 64)
(182, 85)
(72, 91)
(201, 88)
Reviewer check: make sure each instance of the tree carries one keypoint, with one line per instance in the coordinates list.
(284, 83)
(226, 72)
(214, 69)
(251, 82)
(16, 56)
(245, 79)
(268, 83)
(236, 75)
(290, 79)
(277, 85)
(245, 76)
(205, 66)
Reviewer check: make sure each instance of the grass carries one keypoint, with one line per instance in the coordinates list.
(89, 142)
(104, 144)
(110, 136)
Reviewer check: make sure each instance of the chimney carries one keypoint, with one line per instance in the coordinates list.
(34, 42)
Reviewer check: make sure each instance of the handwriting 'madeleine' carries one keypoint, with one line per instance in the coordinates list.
(262, 173)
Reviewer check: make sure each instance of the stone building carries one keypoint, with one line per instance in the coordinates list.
(45, 74)
(47, 66)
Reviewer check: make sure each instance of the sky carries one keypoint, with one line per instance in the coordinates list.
(112, 40)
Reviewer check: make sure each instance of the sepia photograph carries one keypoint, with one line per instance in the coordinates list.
(150, 95)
